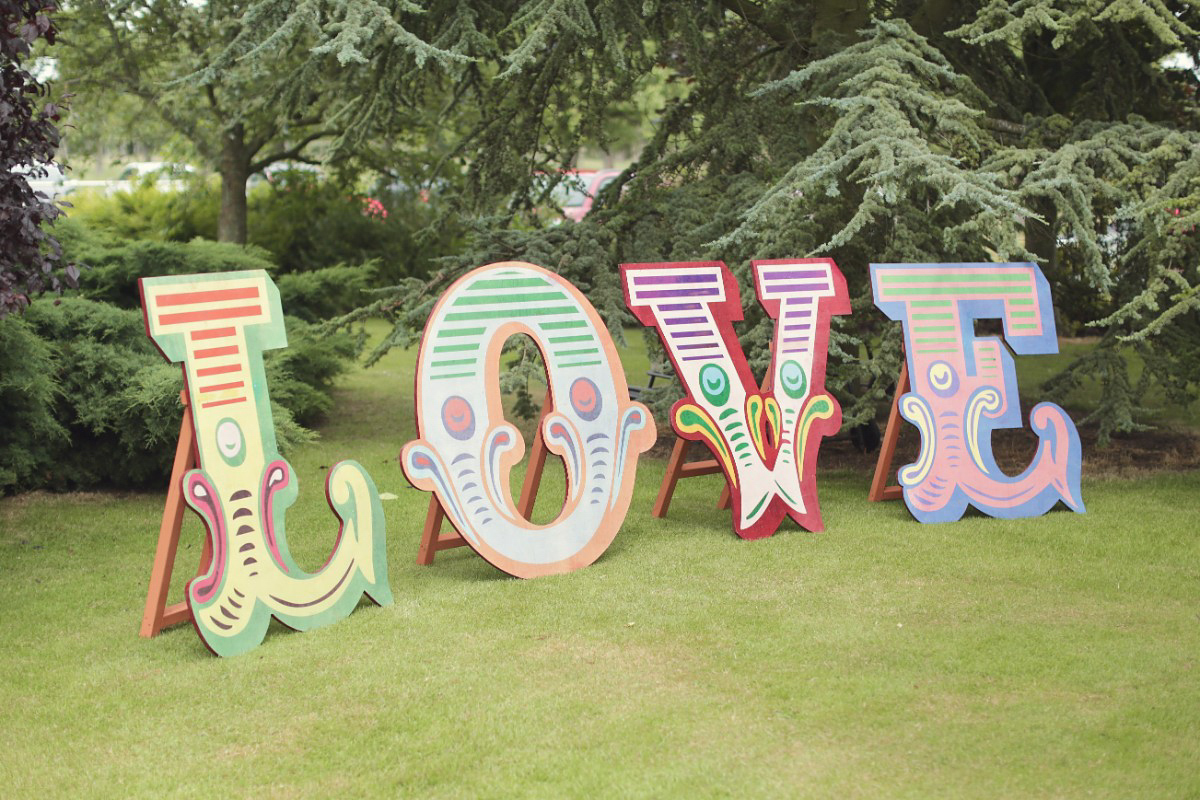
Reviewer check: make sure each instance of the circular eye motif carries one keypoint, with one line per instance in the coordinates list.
(943, 379)
(458, 418)
(714, 384)
(230, 443)
(793, 379)
(585, 399)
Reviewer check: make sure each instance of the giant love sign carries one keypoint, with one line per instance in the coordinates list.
(964, 386)
(765, 441)
(218, 326)
(764, 438)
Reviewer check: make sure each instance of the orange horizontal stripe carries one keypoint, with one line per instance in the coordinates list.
(210, 296)
(220, 386)
(223, 402)
(206, 316)
(212, 333)
(217, 351)
(200, 373)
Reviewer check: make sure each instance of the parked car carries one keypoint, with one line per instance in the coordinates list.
(169, 176)
(578, 189)
(52, 184)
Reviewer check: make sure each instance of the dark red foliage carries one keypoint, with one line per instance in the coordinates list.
(30, 258)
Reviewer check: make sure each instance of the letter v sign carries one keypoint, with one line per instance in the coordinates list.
(765, 439)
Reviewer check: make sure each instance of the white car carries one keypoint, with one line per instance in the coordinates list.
(170, 176)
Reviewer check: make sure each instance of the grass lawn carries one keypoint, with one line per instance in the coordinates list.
(1053, 657)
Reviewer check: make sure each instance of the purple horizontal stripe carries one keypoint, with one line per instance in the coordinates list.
(795, 313)
(695, 346)
(797, 327)
(795, 338)
(705, 357)
(797, 287)
(793, 275)
(796, 350)
(680, 307)
(643, 280)
(685, 320)
(686, 334)
(697, 291)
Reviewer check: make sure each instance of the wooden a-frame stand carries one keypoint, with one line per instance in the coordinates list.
(679, 467)
(880, 490)
(434, 539)
(157, 614)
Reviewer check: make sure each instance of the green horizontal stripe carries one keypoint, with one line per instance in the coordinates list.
(580, 363)
(957, 290)
(927, 350)
(509, 312)
(929, 303)
(455, 348)
(448, 332)
(935, 339)
(455, 362)
(1022, 313)
(933, 316)
(932, 328)
(507, 283)
(556, 326)
(454, 375)
(956, 278)
(583, 337)
(488, 299)
(1023, 327)
(583, 351)
(1021, 301)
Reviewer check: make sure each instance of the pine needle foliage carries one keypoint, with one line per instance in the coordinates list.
(887, 130)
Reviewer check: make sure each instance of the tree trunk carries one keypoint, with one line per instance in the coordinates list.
(235, 168)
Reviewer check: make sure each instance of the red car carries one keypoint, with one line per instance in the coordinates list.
(579, 188)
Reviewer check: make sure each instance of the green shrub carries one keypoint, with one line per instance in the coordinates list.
(303, 223)
(145, 213)
(327, 292)
(29, 435)
(116, 265)
(94, 404)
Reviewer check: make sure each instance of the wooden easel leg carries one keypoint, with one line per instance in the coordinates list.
(537, 463)
(156, 614)
(887, 448)
(429, 535)
(674, 465)
(726, 498)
